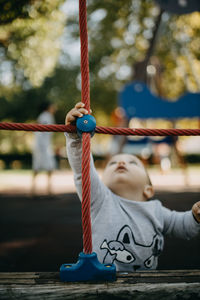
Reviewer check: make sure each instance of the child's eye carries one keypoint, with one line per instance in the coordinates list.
(112, 163)
(133, 162)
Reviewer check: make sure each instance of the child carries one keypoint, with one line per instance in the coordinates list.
(127, 230)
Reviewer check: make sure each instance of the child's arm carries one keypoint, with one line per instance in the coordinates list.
(181, 224)
(74, 152)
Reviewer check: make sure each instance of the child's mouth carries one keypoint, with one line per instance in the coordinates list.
(121, 169)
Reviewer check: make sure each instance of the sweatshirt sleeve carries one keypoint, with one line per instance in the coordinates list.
(179, 224)
(74, 154)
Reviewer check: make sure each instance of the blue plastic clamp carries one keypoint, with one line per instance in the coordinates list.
(88, 268)
(87, 123)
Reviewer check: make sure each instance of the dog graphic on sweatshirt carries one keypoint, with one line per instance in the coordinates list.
(125, 248)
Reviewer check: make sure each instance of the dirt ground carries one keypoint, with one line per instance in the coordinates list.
(41, 232)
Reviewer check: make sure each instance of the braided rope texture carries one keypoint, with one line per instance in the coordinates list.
(86, 188)
(146, 132)
(85, 97)
(85, 81)
(37, 127)
(100, 129)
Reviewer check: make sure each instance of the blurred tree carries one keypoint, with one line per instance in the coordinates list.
(30, 34)
(13, 9)
(30, 43)
(126, 29)
(120, 35)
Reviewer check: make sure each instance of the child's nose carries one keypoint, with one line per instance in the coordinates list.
(121, 163)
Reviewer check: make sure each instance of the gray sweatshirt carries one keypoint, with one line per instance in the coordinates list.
(125, 232)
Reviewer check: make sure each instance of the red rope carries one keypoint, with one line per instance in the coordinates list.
(36, 127)
(85, 81)
(101, 129)
(146, 132)
(86, 188)
(85, 96)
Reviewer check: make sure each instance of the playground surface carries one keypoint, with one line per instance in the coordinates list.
(40, 232)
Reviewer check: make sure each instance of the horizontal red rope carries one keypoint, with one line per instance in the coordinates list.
(101, 129)
(36, 127)
(146, 132)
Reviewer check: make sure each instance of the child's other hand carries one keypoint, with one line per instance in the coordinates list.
(196, 211)
(76, 112)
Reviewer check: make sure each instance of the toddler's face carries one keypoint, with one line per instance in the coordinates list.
(127, 169)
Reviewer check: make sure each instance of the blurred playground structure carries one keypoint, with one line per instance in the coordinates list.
(140, 108)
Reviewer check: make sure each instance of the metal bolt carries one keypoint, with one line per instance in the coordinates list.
(85, 121)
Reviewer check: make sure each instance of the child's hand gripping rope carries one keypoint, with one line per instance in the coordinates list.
(77, 112)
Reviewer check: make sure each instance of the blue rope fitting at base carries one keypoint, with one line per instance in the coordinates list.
(88, 268)
(87, 123)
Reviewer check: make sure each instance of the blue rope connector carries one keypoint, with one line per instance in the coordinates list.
(88, 268)
(87, 123)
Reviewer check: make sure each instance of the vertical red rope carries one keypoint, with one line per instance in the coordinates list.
(85, 95)
(86, 188)
(85, 81)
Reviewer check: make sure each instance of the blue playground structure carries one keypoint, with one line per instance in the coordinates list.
(138, 101)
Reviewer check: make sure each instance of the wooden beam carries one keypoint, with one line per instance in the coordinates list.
(175, 284)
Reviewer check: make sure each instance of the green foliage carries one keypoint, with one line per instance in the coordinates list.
(10, 10)
(178, 51)
(123, 35)
(23, 105)
(31, 45)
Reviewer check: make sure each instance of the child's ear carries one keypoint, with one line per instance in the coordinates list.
(148, 191)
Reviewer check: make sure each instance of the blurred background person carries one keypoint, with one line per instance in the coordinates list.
(43, 158)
